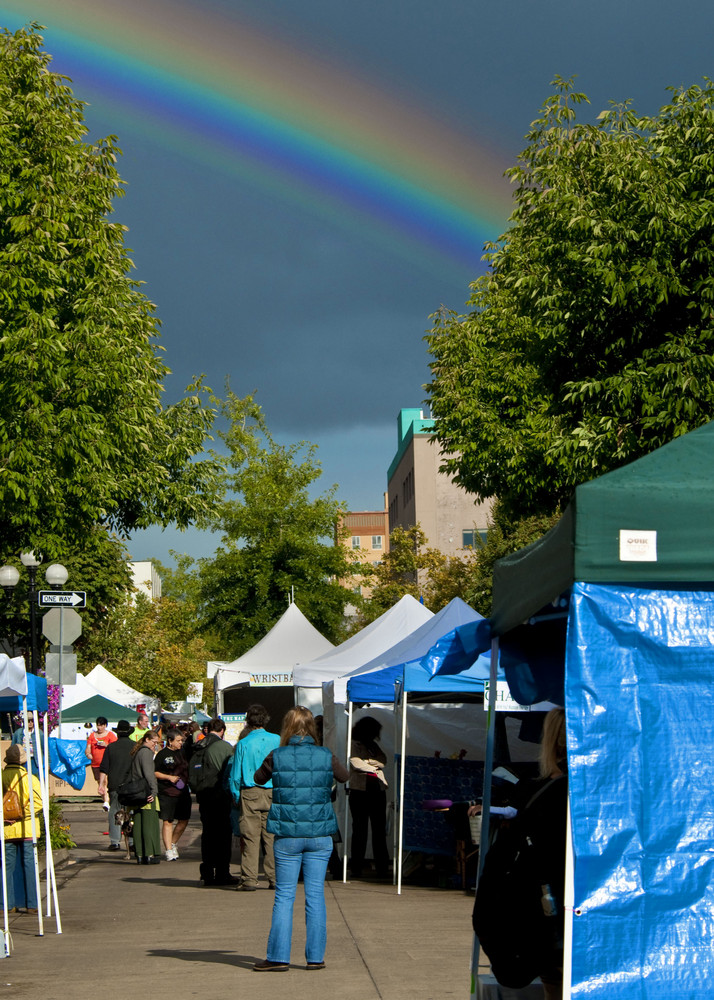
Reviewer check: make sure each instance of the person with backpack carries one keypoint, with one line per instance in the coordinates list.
(208, 779)
(518, 913)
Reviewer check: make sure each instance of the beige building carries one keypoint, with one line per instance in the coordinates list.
(366, 534)
(418, 493)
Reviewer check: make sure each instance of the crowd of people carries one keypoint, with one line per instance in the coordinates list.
(274, 792)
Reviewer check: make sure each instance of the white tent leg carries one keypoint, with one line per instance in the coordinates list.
(6, 920)
(569, 902)
(488, 763)
(401, 790)
(486, 800)
(347, 798)
(50, 875)
(41, 929)
(395, 784)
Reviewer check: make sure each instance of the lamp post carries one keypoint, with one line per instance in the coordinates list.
(55, 574)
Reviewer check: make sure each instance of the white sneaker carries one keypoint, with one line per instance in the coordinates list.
(169, 855)
(105, 807)
(174, 851)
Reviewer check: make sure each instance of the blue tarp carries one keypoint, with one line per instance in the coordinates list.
(640, 710)
(36, 697)
(68, 760)
(458, 649)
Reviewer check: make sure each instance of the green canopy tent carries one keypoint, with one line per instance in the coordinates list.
(605, 534)
(612, 614)
(93, 708)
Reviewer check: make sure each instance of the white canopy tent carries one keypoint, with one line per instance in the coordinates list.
(115, 690)
(289, 641)
(379, 636)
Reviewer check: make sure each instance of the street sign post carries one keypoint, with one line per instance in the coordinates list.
(62, 598)
(62, 626)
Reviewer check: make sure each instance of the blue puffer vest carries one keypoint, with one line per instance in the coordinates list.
(302, 782)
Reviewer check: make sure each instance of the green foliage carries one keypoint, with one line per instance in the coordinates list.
(151, 645)
(84, 437)
(277, 538)
(591, 338)
(97, 565)
(60, 832)
(405, 569)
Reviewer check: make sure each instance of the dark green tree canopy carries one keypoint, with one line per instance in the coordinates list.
(277, 539)
(591, 340)
(84, 436)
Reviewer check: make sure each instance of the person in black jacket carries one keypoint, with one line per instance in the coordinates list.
(113, 771)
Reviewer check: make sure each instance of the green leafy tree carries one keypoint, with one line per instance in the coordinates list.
(405, 569)
(84, 436)
(278, 540)
(99, 567)
(591, 338)
(152, 646)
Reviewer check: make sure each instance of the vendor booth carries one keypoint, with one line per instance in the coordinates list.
(612, 614)
(265, 673)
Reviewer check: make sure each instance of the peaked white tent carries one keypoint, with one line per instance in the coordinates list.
(380, 635)
(289, 641)
(112, 688)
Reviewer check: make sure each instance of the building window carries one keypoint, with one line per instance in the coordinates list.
(376, 541)
(473, 538)
(355, 541)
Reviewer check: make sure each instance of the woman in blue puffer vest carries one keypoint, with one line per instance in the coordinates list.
(303, 821)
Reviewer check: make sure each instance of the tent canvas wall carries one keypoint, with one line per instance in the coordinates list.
(634, 555)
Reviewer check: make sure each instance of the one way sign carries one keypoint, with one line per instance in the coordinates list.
(62, 598)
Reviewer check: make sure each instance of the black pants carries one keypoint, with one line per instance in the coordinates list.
(216, 835)
(369, 808)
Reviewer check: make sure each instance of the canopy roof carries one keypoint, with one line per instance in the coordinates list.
(88, 711)
(111, 687)
(668, 492)
(378, 687)
(374, 640)
(413, 646)
(81, 690)
(290, 640)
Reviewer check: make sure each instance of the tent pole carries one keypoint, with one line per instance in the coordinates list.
(486, 799)
(50, 875)
(401, 788)
(347, 798)
(569, 902)
(488, 763)
(6, 922)
(395, 784)
(31, 796)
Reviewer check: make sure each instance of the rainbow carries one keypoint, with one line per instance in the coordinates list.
(221, 92)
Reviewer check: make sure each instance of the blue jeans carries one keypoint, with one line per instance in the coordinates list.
(19, 853)
(292, 853)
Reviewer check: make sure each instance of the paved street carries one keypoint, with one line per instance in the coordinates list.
(147, 931)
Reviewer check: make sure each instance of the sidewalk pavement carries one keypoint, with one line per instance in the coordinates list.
(146, 930)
